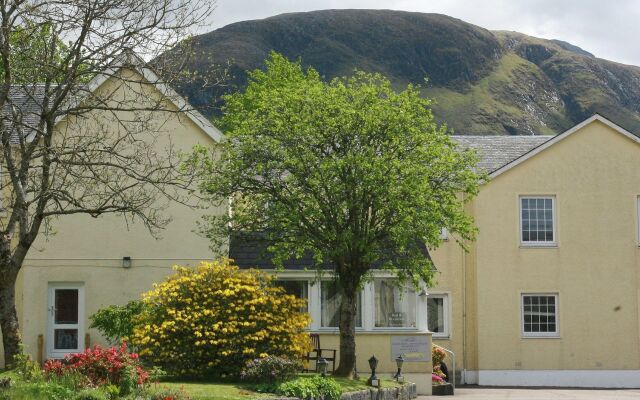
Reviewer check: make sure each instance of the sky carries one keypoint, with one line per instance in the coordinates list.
(608, 29)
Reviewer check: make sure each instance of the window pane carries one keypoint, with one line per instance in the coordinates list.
(300, 289)
(539, 314)
(395, 307)
(66, 306)
(435, 314)
(65, 339)
(536, 221)
(330, 306)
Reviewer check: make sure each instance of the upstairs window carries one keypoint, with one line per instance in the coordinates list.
(537, 221)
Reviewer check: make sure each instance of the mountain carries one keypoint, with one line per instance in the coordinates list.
(483, 82)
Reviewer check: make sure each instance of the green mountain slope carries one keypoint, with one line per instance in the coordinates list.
(483, 82)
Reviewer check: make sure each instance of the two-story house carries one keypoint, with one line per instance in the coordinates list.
(549, 293)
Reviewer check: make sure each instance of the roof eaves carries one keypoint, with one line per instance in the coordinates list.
(561, 136)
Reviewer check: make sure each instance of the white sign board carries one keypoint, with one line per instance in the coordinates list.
(413, 348)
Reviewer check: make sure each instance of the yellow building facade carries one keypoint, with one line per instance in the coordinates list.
(548, 294)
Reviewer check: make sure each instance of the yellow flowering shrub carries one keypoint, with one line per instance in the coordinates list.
(211, 319)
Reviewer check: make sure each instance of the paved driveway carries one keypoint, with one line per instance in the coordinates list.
(540, 394)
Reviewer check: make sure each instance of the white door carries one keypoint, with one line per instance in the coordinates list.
(65, 332)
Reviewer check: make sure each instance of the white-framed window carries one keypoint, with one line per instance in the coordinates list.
(540, 315)
(330, 306)
(438, 314)
(296, 287)
(537, 220)
(395, 307)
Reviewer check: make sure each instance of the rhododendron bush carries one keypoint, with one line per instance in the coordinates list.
(210, 320)
(102, 366)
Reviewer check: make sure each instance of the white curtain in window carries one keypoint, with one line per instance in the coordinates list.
(395, 306)
(330, 306)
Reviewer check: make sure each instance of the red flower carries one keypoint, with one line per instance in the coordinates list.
(100, 366)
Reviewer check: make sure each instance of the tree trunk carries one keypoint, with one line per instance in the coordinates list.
(11, 339)
(348, 307)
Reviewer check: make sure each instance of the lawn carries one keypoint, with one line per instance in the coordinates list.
(240, 391)
(216, 391)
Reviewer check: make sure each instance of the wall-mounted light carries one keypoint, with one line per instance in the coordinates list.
(423, 293)
(126, 262)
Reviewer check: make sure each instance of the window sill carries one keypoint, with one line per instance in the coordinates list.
(361, 331)
(539, 246)
(447, 337)
(540, 337)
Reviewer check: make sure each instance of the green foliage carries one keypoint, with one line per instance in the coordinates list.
(25, 368)
(270, 368)
(31, 43)
(116, 323)
(311, 388)
(349, 170)
(165, 393)
(93, 394)
(211, 319)
(41, 391)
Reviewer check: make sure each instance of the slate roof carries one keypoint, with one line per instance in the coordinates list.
(24, 102)
(250, 251)
(497, 151)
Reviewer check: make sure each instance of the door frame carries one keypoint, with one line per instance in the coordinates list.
(51, 353)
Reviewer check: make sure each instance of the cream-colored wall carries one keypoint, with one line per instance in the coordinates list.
(450, 259)
(379, 345)
(90, 250)
(595, 176)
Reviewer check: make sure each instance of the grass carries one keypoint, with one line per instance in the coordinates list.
(199, 390)
(216, 390)
(241, 391)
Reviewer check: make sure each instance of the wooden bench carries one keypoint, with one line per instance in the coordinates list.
(317, 353)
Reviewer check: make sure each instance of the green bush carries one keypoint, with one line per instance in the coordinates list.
(270, 368)
(41, 391)
(25, 368)
(309, 388)
(116, 323)
(92, 394)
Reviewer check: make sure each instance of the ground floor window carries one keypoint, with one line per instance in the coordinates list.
(381, 304)
(395, 306)
(298, 288)
(330, 306)
(540, 315)
(438, 314)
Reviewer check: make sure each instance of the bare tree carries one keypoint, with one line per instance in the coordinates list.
(72, 144)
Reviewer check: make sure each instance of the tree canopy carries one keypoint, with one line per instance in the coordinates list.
(351, 171)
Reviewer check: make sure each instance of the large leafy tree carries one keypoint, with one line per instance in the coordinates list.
(350, 171)
(49, 51)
